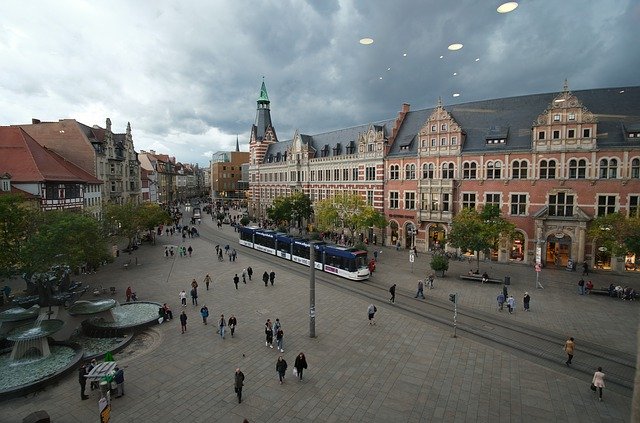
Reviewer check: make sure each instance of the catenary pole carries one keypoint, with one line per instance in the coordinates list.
(312, 290)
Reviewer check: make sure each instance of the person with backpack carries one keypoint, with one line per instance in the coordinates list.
(371, 312)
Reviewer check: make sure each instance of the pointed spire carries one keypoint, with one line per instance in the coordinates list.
(264, 98)
(439, 101)
(565, 88)
(237, 144)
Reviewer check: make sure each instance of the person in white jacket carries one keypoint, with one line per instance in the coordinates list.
(598, 381)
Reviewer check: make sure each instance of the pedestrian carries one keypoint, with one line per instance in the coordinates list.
(280, 340)
(220, 255)
(168, 314)
(171, 251)
(511, 304)
(183, 321)
(430, 281)
(272, 277)
(569, 348)
(268, 331)
(183, 298)
(505, 292)
(190, 250)
(204, 312)
(238, 384)
(194, 296)
(118, 378)
(221, 326)
(597, 382)
(194, 283)
(581, 286)
(207, 281)
(236, 279)
(166, 252)
(233, 322)
(392, 291)
(585, 269)
(128, 293)
(244, 276)
(217, 249)
(82, 372)
(371, 312)
(265, 278)
(375, 255)
(233, 254)
(300, 365)
(420, 292)
(525, 301)
(249, 272)
(501, 299)
(281, 368)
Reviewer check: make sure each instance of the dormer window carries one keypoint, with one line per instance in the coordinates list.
(285, 156)
(6, 185)
(270, 160)
(278, 157)
(337, 150)
(325, 151)
(351, 148)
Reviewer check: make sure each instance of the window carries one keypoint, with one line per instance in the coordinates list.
(336, 174)
(327, 175)
(351, 148)
(556, 135)
(427, 171)
(369, 147)
(634, 206)
(320, 173)
(435, 202)
(494, 170)
(518, 204)
(354, 174)
(547, 169)
(572, 116)
(113, 168)
(454, 140)
(469, 170)
(608, 169)
(394, 172)
(113, 186)
(519, 169)
(394, 199)
(556, 118)
(577, 169)
(492, 199)
(606, 204)
(370, 173)
(540, 135)
(586, 133)
(443, 141)
(409, 200)
(571, 133)
(6, 186)
(433, 142)
(410, 171)
(446, 202)
(345, 174)
(561, 204)
(468, 200)
(447, 170)
(433, 128)
(370, 198)
(635, 168)
(443, 127)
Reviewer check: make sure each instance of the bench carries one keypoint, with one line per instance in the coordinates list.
(599, 291)
(478, 278)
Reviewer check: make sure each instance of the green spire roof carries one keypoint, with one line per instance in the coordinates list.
(264, 98)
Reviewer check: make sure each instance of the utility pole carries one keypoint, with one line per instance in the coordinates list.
(312, 290)
(454, 299)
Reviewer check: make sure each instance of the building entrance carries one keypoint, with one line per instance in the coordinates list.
(558, 250)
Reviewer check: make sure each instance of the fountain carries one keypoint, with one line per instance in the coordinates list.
(31, 340)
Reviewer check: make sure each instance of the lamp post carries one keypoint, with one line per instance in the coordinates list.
(312, 290)
(538, 265)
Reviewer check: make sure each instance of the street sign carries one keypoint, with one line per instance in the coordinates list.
(412, 258)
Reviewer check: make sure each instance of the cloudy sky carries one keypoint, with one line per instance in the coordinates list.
(187, 73)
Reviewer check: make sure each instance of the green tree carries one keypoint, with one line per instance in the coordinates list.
(343, 211)
(373, 218)
(18, 221)
(291, 209)
(440, 263)
(124, 220)
(152, 215)
(479, 231)
(617, 233)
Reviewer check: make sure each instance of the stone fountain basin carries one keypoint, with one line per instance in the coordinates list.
(91, 307)
(17, 314)
(28, 332)
(129, 315)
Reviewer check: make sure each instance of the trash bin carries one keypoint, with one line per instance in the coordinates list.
(507, 280)
(104, 388)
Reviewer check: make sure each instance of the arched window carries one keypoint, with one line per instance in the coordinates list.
(394, 172)
(635, 168)
(519, 169)
(608, 169)
(427, 171)
(469, 170)
(410, 171)
(547, 169)
(447, 170)
(494, 170)
(577, 169)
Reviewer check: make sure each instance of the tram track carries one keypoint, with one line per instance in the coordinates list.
(537, 344)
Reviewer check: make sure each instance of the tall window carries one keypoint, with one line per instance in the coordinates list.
(370, 198)
(606, 204)
(577, 169)
(608, 169)
(468, 200)
(345, 175)
(547, 169)
(518, 204)
(409, 200)
(410, 171)
(494, 170)
(561, 204)
(427, 171)
(469, 170)
(446, 202)
(492, 199)
(635, 168)
(435, 202)
(354, 174)
(336, 174)
(327, 175)
(634, 206)
(519, 169)
(370, 173)
(447, 170)
(394, 199)
(394, 172)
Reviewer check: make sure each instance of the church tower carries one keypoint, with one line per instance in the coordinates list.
(262, 131)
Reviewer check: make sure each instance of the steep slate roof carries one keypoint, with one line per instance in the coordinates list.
(514, 117)
(27, 161)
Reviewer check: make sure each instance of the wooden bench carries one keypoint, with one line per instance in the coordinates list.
(478, 278)
(599, 291)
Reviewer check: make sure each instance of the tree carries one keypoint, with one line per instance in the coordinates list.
(290, 209)
(124, 220)
(343, 211)
(440, 263)
(373, 218)
(152, 215)
(15, 226)
(617, 233)
(479, 231)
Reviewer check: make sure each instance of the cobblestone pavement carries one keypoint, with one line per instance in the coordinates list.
(403, 369)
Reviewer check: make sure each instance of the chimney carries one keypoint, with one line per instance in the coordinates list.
(397, 124)
(35, 121)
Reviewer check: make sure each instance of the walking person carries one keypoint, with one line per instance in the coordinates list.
(272, 277)
(204, 312)
(183, 298)
(511, 304)
(300, 364)
(501, 299)
(244, 276)
(598, 382)
(569, 348)
(430, 281)
(118, 378)
(238, 384)
(128, 293)
(392, 291)
(82, 372)
(233, 322)
(194, 296)
(525, 301)
(236, 279)
(265, 278)
(281, 368)
(371, 312)
(581, 286)
(190, 250)
(277, 325)
(268, 331)
(420, 292)
(221, 326)
(220, 255)
(183, 321)
(207, 281)
(249, 272)
(585, 269)
(280, 340)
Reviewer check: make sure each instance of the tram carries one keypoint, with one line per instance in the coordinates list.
(345, 262)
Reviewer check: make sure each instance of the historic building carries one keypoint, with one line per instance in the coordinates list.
(164, 168)
(226, 174)
(551, 162)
